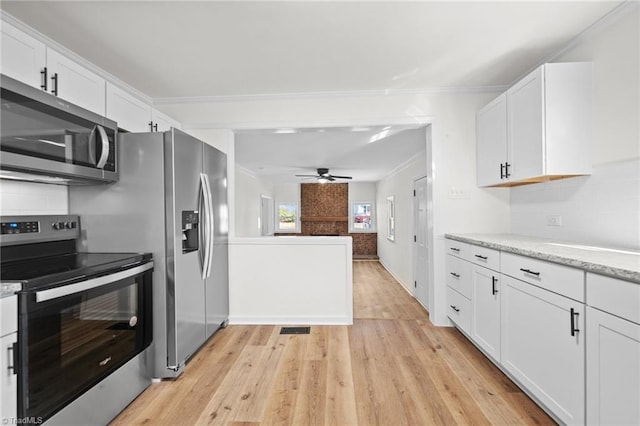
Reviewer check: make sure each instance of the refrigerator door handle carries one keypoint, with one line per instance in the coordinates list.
(210, 228)
(204, 217)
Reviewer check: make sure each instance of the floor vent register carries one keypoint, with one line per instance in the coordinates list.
(295, 330)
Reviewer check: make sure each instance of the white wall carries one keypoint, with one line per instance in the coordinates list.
(397, 255)
(248, 190)
(29, 198)
(603, 208)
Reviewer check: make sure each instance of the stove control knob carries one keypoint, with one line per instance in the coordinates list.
(58, 225)
(71, 225)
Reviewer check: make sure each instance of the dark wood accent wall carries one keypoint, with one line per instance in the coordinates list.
(324, 210)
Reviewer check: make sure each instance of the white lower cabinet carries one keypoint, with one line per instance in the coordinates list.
(543, 346)
(613, 370)
(9, 380)
(8, 377)
(485, 321)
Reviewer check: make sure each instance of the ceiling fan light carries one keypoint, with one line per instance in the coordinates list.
(323, 180)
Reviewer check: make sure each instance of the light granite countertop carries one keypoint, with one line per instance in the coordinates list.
(614, 262)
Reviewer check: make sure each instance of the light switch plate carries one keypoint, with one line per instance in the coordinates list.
(554, 220)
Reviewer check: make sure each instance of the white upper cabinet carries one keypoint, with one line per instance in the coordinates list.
(75, 83)
(32, 62)
(540, 129)
(162, 122)
(131, 113)
(491, 141)
(23, 57)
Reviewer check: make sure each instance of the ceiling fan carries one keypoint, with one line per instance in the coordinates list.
(323, 176)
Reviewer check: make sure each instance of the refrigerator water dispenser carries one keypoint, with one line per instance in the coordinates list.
(189, 231)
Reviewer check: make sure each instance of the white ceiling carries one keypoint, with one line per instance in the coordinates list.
(280, 156)
(178, 49)
(214, 48)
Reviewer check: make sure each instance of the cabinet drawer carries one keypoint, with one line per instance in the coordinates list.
(486, 257)
(559, 279)
(459, 275)
(459, 310)
(618, 297)
(456, 248)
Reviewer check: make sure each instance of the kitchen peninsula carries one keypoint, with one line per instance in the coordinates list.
(291, 280)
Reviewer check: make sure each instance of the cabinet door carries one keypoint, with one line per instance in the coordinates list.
(485, 321)
(163, 121)
(539, 350)
(23, 57)
(75, 83)
(613, 370)
(491, 142)
(526, 123)
(8, 380)
(129, 112)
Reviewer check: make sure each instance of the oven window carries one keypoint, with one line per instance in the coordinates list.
(75, 341)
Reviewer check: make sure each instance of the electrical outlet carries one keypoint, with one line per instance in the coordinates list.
(554, 220)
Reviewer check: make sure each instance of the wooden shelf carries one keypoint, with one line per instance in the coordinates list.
(325, 219)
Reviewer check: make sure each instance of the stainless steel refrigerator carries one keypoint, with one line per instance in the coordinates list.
(170, 200)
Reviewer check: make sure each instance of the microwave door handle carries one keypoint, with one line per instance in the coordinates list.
(104, 154)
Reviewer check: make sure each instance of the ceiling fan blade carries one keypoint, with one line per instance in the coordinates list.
(342, 177)
(309, 176)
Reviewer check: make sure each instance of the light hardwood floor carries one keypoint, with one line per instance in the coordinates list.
(392, 367)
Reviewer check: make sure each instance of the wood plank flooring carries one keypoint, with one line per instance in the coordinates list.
(392, 367)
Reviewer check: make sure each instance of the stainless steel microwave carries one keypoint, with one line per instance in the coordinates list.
(45, 139)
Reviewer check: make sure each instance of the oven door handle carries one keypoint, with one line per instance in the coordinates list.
(66, 290)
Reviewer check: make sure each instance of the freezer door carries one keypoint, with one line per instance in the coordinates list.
(185, 286)
(217, 284)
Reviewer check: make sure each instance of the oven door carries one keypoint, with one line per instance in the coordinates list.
(73, 336)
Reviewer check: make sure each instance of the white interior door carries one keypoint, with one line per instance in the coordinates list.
(421, 261)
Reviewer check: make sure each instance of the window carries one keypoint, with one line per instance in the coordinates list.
(362, 217)
(391, 220)
(288, 218)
